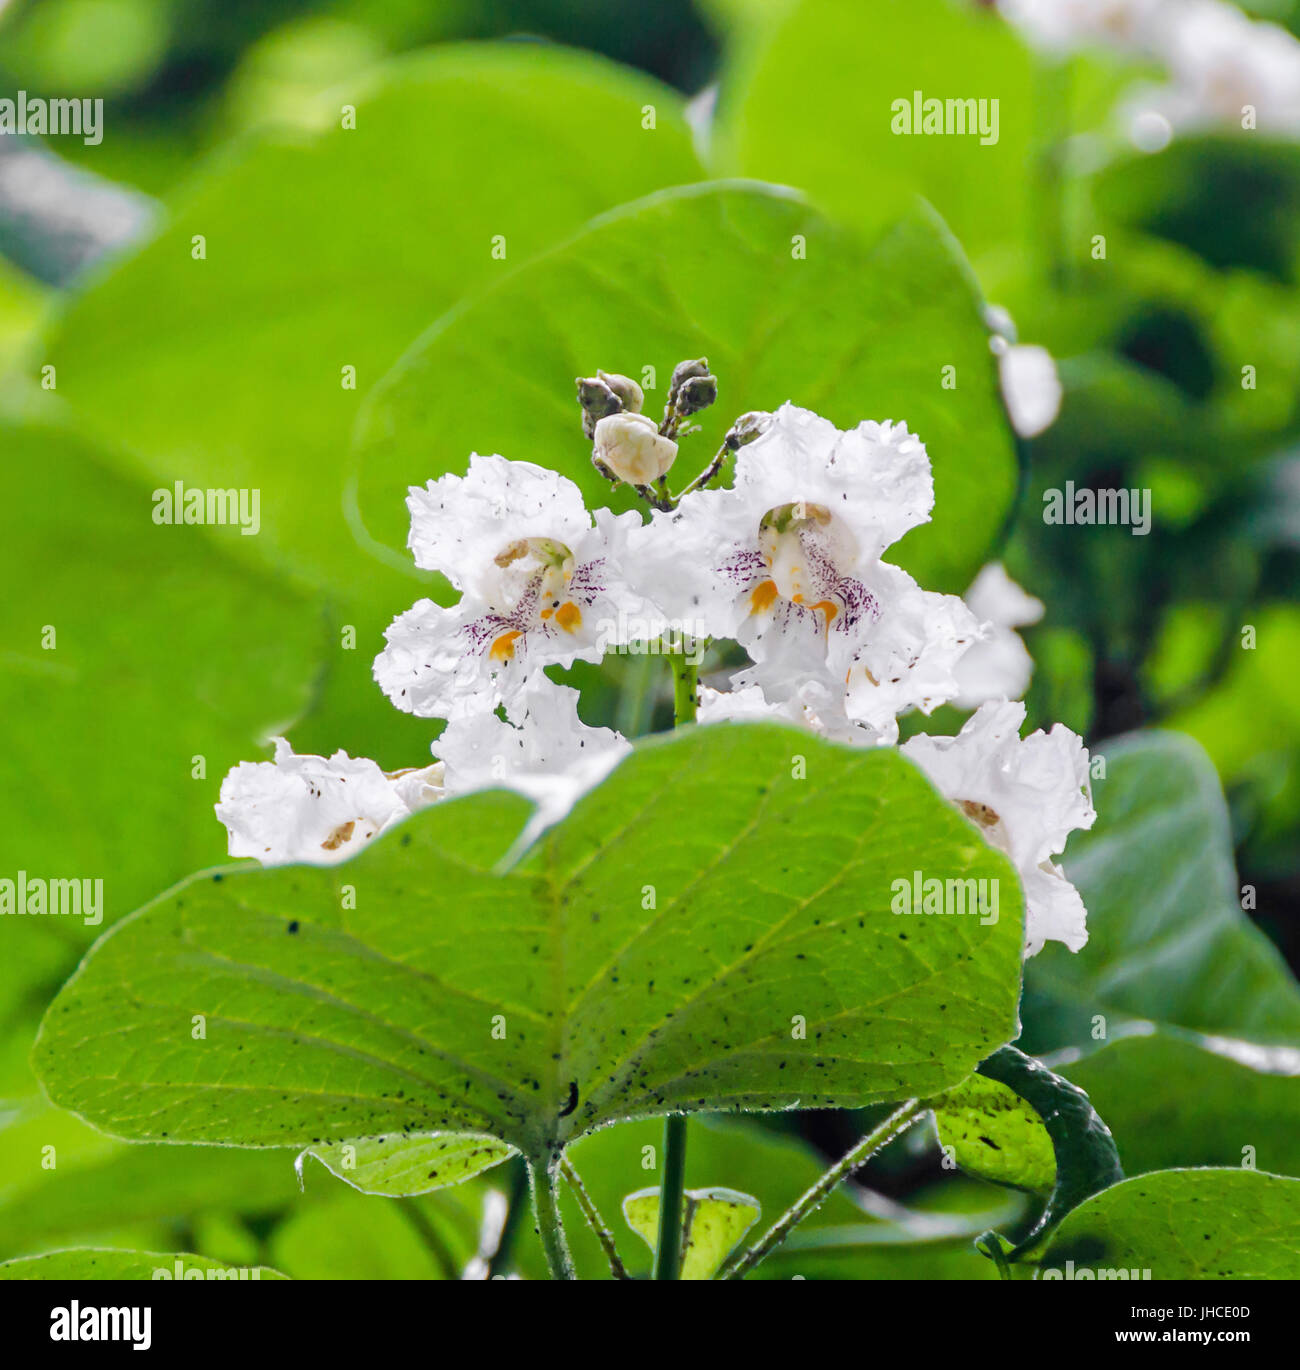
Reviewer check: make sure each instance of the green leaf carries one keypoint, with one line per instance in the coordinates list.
(405, 1165)
(333, 247)
(88, 1263)
(733, 949)
(336, 247)
(353, 1236)
(1184, 1100)
(995, 1134)
(714, 1220)
(805, 107)
(1167, 938)
(1086, 1158)
(1186, 1225)
(709, 270)
(140, 664)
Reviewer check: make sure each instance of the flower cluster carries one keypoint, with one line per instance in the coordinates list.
(1224, 67)
(787, 562)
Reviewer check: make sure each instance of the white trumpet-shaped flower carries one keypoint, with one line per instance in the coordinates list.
(542, 584)
(787, 562)
(317, 809)
(1027, 795)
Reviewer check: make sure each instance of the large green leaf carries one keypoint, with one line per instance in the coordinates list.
(710, 929)
(1185, 1225)
(1167, 938)
(1183, 1100)
(92, 1264)
(131, 652)
(709, 270)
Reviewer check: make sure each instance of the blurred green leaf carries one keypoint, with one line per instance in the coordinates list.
(91, 1264)
(1167, 937)
(1187, 1100)
(812, 106)
(139, 664)
(332, 249)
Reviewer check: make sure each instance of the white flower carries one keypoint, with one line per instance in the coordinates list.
(999, 666)
(1026, 796)
(541, 586)
(631, 446)
(1062, 26)
(787, 562)
(1220, 62)
(316, 809)
(1031, 387)
(542, 749)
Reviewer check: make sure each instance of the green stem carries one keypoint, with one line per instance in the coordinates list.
(895, 1125)
(549, 1228)
(517, 1198)
(686, 689)
(594, 1221)
(668, 1248)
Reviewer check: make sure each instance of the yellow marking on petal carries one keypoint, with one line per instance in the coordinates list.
(569, 616)
(340, 835)
(503, 649)
(763, 597)
(827, 607)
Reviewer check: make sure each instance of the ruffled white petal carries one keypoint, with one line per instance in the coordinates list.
(316, 809)
(1026, 795)
(543, 750)
(460, 524)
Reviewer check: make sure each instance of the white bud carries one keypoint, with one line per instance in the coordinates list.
(631, 446)
(1030, 387)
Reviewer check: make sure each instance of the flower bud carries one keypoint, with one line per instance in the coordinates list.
(631, 446)
(683, 372)
(695, 394)
(597, 400)
(629, 393)
(745, 429)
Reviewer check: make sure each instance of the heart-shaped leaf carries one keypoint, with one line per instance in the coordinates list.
(709, 929)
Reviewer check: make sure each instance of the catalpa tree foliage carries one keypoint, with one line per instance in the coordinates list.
(609, 686)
